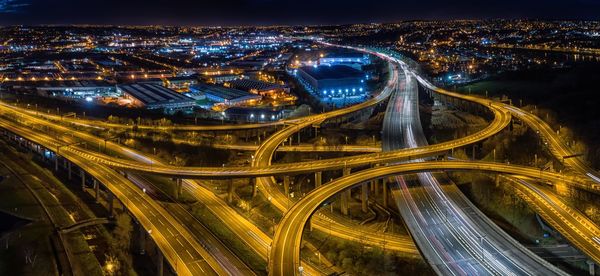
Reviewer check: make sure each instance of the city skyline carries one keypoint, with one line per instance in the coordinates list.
(415, 147)
(268, 12)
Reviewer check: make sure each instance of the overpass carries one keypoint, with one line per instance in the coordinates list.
(176, 244)
(238, 172)
(285, 255)
(444, 224)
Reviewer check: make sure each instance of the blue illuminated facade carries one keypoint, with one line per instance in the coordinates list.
(354, 60)
(333, 82)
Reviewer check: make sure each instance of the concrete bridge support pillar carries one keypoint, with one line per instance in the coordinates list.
(142, 242)
(178, 185)
(497, 179)
(56, 162)
(592, 267)
(375, 183)
(82, 173)
(385, 192)
(346, 171)
(364, 196)
(344, 201)
(374, 186)
(346, 195)
(70, 170)
(159, 263)
(230, 190)
(286, 185)
(252, 183)
(97, 190)
(110, 198)
(318, 179)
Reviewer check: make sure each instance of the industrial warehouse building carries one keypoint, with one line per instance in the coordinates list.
(336, 81)
(68, 89)
(243, 114)
(258, 87)
(224, 95)
(153, 96)
(352, 59)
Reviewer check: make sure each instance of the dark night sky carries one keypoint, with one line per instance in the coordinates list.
(262, 12)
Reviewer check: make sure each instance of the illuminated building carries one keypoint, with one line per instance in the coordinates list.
(254, 114)
(354, 60)
(331, 82)
(77, 89)
(224, 95)
(262, 88)
(218, 79)
(182, 83)
(152, 96)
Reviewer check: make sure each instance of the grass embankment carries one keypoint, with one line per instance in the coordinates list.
(360, 259)
(34, 239)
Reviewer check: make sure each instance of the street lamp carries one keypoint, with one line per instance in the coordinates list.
(319, 256)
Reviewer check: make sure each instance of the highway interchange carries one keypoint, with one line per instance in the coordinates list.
(284, 254)
(451, 234)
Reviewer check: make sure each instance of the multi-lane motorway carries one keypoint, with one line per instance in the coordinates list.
(453, 238)
(186, 255)
(572, 224)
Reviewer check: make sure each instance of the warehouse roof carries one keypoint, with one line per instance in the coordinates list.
(221, 92)
(332, 72)
(150, 94)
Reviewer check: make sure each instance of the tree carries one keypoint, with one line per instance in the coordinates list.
(113, 119)
(460, 154)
